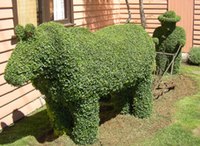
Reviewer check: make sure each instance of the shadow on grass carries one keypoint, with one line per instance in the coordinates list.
(36, 125)
(39, 127)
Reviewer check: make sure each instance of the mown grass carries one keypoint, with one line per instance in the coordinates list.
(185, 129)
(26, 131)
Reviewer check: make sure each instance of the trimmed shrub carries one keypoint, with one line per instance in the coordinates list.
(170, 38)
(29, 30)
(74, 68)
(20, 33)
(24, 33)
(194, 56)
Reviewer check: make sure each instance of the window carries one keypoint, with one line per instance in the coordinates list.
(39, 11)
(55, 10)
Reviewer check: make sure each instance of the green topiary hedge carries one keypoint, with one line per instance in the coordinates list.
(74, 68)
(170, 38)
(194, 56)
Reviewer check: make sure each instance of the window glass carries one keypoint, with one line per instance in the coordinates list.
(58, 10)
(39, 11)
(27, 12)
(55, 10)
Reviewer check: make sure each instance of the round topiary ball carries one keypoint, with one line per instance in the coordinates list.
(194, 56)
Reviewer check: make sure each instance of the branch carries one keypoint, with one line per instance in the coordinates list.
(142, 15)
(129, 12)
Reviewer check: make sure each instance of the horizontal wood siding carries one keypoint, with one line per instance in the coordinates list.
(96, 14)
(13, 100)
(196, 33)
(184, 9)
(152, 9)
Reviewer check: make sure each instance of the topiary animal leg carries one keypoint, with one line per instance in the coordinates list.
(142, 101)
(59, 116)
(127, 96)
(86, 121)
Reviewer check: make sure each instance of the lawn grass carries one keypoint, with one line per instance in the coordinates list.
(27, 130)
(185, 129)
(182, 128)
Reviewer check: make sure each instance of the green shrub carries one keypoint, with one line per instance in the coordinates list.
(170, 37)
(29, 30)
(20, 33)
(194, 56)
(25, 33)
(74, 68)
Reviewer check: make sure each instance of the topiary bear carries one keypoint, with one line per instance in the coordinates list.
(74, 68)
(170, 38)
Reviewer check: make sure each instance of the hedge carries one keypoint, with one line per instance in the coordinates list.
(170, 38)
(194, 56)
(74, 68)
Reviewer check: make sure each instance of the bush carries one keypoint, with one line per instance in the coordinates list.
(20, 33)
(170, 38)
(74, 68)
(24, 33)
(29, 30)
(194, 56)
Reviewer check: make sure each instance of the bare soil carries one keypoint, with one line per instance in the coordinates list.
(126, 130)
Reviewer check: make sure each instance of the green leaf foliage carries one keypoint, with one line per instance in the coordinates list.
(74, 68)
(169, 16)
(29, 30)
(194, 56)
(20, 32)
(170, 37)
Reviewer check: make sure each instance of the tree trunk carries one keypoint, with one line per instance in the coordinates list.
(129, 12)
(142, 15)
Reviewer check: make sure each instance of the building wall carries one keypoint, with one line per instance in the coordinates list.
(185, 10)
(14, 101)
(96, 14)
(196, 33)
(152, 9)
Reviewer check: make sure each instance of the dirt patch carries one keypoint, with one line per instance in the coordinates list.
(196, 132)
(128, 130)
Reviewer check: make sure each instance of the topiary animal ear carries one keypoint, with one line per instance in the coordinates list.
(20, 32)
(29, 30)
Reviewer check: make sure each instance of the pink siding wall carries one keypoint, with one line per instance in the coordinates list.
(26, 99)
(184, 9)
(96, 14)
(152, 9)
(196, 34)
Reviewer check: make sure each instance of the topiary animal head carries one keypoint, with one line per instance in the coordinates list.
(34, 53)
(25, 33)
(21, 66)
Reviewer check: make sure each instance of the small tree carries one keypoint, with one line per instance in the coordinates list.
(129, 12)
(142, 15)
